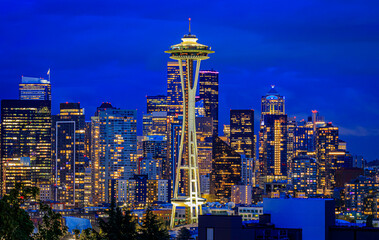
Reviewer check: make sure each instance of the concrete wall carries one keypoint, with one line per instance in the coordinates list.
(313, 215)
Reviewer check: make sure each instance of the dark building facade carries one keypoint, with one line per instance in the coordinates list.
(226, 170)
(208, 91)
(156, 103)
(242, 132)
(213, 227)
(32, 88)
(273, 145)
(68, 154)
(174, 88)
(25, 143)
(326, 142)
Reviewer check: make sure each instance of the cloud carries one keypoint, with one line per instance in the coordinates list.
(359, 131)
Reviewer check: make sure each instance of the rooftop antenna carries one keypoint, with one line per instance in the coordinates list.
(189, 26)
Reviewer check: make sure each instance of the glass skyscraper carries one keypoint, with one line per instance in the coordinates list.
(208, 91)
(156, 103)
(174, 88)
(242, 132)
(32, 88)
(25, 143)
(273, 137)
(114, 147)
(68, 155)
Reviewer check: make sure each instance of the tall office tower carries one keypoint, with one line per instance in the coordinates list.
(273, 103)
(304, 176)
(188, 51)
(304, 138)
(25, 143)
(204, 133)
(273, 145)
(87, 140)
(242, 132)
(116, 147)
(68, 132)
(291, 128)
(273, 137)
(156, 103)
(326, 142)
(208, 91)
(174, 128)
(32, 88)
(155, 123)
(95, 153)
(155, 154)
(174, 87)
(226, 170)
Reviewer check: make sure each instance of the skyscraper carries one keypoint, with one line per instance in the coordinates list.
(156, 103)
(208, 91)
(304, 177)
(273, 137)
(25, 143)
(326, 142)
(68, 155)
(273, 103)
(114, 148)
(188, 51)
(226, 170)
(242, 132)
(97, 195)
(174, 88)
(32, 88)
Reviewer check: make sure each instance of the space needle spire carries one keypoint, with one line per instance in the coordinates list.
(187, 170)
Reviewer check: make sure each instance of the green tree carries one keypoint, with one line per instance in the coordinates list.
(184, 234)
(153, 228)
(14, 221)
(76, 233)
(51, 227)
(89, 234)
(119, 225)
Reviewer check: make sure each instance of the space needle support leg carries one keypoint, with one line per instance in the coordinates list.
(180, 158)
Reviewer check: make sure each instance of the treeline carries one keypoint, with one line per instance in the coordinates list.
(15, 222)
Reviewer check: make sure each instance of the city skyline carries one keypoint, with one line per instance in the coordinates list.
(349, 75)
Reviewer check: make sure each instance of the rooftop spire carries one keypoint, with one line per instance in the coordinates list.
(189, 26)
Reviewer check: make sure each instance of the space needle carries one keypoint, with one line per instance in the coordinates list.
(188, 51)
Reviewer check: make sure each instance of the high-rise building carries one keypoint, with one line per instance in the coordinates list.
(97, 195)
(361, 196)
(226, 170)
(155, 123)
(208, 91)
(69, 163)
(242, 132)
(273, 137)
(32, 88)
(156, 103)
(204, 133)
(187, 52)
(114, 144)
(273, 145)
(304, 175)
(174, 128)
(273, 103)
(326, 142)
(25, 143)
(174, 87)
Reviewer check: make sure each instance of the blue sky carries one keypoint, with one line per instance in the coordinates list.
(321, 55)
